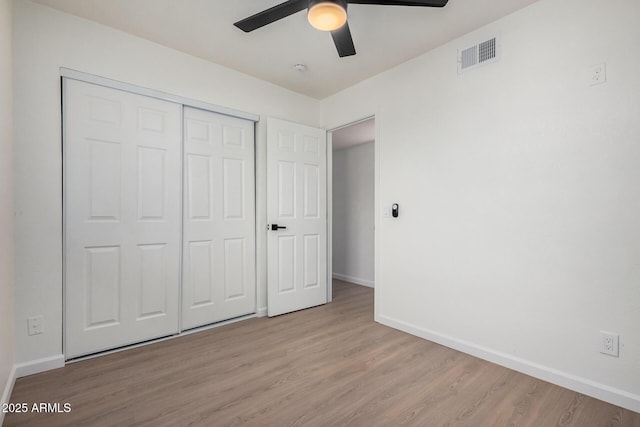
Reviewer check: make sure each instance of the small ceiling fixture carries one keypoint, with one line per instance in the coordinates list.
(300, 67)
(327, 15)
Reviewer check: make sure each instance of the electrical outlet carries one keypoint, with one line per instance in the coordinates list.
(609, 343)
(598, 74)
(34, 324)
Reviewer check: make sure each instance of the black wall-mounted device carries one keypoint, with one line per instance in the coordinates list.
(394, 210)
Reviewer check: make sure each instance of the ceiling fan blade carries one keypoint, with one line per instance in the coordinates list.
(423, 3)
(344, 42)
(271, 15)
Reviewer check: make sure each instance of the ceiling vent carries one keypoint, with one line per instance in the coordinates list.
(482, 53)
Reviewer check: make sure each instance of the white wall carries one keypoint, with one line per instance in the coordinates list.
(519, 237)
(44, 41)
(6, 207)
(353, 214)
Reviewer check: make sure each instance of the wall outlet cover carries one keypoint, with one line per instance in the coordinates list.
(609, 343)
(598, 74)
(34, 324)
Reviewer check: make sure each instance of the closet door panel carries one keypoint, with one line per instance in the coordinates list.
(219, 218)
(122, 192)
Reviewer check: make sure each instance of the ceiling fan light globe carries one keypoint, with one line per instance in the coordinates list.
(327, 16)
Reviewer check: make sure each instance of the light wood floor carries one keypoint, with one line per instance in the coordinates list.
(326, 366)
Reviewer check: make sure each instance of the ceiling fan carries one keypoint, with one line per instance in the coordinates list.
(325, 15)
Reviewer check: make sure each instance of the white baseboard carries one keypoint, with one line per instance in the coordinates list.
(262, 312)
(8, 389)
(356, 280)
(39, 365)
(573, 382)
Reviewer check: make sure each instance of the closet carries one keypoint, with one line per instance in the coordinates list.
(159, 217)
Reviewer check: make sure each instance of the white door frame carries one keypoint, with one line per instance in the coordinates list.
(330, 215)
(139, 90)
(376, 198)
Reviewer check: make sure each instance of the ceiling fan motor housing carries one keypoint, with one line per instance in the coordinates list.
(327, 15)
(341, 3)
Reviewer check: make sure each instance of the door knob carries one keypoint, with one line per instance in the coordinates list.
(276, 227)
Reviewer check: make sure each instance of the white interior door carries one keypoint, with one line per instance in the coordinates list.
(219, 218)
(296, 201)
(122, 170)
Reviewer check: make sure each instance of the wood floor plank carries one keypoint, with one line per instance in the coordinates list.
(326, 366)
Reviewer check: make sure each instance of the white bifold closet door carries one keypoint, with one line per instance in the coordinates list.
(219, 218)
(159, 208)
(122, 168)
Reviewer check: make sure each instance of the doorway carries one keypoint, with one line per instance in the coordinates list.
(353, 203)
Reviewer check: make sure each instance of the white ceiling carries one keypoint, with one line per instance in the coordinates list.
(384, 36)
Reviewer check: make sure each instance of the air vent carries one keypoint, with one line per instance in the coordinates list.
(479, 54)
(469, 57)
(487, 50)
